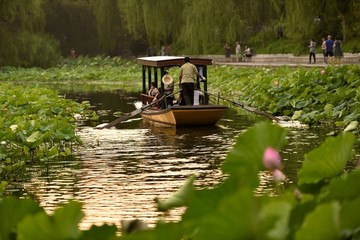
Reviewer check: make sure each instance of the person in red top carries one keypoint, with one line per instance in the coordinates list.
(187, 78)
(73, 53)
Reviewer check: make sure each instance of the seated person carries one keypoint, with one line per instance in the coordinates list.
(247, 53)
(154, 92)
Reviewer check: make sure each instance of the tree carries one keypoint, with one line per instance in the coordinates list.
(23, 42)
(108, 23)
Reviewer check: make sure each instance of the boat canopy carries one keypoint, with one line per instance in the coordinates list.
(151, 66)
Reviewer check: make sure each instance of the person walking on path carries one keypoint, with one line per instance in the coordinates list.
(338, 53)
(187, 78)
(227, 52)
(312, 47)
(323, 48)
(238, 51)
(329, 48)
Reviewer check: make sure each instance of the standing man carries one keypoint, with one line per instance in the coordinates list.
(323, 48)
(238, 51)
(312, 47)
(329, 48)
(187, 78)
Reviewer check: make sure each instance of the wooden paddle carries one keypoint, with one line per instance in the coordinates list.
(128, 115)
(247, 108)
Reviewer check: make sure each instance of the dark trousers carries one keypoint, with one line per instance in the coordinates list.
(312, 55)
(188, 93)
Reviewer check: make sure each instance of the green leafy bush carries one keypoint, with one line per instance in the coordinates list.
(329, 95)
(36, 125)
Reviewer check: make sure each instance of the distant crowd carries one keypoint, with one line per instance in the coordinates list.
(240, 55)
(331, 50)
(165, 50)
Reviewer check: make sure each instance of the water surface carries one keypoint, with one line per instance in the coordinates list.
(118, 172)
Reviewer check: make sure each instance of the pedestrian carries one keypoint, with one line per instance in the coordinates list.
(323, 48)
(73, 53)
(168, 50)
(247, 53)
(149, 51)
(312, 47)
(338, 53)
(187, 78)
(227, 52)
(162, 50)
(329, 48)
(238, 51)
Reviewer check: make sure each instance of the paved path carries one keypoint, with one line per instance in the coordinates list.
(277, 60)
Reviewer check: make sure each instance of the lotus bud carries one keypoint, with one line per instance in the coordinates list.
(13, 128)
(279, 176)
(276, 83)
(271, 159)
(323, 71)
(77, 116)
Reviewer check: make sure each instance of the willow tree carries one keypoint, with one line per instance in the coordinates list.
(23, 42)
(206, 25)
(157, 21)
(108, 24)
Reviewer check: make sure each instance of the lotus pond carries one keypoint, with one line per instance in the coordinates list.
(116, 173)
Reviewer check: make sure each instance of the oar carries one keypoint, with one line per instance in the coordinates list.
(129, 115)
(247, 108)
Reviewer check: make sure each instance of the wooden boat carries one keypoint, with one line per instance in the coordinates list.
(199, 114)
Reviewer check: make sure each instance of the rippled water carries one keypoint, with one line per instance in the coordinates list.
(118, 172)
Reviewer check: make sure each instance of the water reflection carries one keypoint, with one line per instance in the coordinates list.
(118, 172)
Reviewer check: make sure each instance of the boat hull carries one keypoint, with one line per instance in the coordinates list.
(184, 116)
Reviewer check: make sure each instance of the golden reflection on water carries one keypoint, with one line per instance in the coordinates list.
(122, 171)
(119, 172)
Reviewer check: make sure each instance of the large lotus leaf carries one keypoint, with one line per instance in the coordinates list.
(345, 187)
(12, 211)
(162, 231)
(321, 224)
(99, 232)
(62, 225)
(234, 218)
(275, 214)
(179, 198)
(350, 217)
(245, 158)
(328, 160)
(34, 139)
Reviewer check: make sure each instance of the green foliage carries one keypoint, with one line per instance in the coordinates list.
(229, 210)
(23, 41)
(310, 95)
(108, 20)
(314, 170)
(104, 71)
(36, 125)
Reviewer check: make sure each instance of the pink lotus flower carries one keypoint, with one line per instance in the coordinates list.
(323, 71)
(271, 159)
(279, 176)
(77, 116)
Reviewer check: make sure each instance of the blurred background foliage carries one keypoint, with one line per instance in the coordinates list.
(40, 32)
